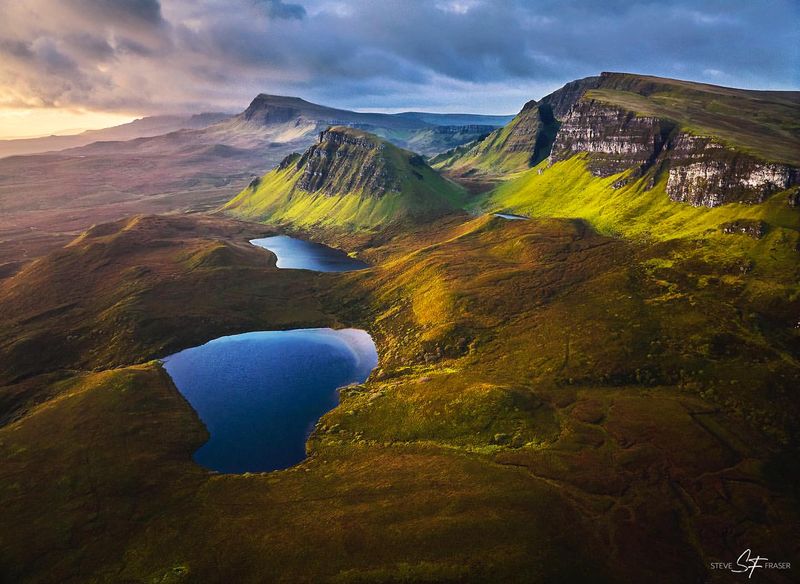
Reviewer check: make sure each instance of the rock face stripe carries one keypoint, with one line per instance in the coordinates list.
(701, 170)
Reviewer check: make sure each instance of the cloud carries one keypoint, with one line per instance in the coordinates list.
(146, 56)
(120, 11)
(279, 9)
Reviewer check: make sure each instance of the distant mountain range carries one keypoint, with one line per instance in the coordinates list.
(144, 127)
(262, 120)
(183, 163)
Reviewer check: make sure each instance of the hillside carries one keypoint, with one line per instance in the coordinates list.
(349, 178)
(520, 144)
(539, 382)
(524, 141)
(183, 170)
(713, 144)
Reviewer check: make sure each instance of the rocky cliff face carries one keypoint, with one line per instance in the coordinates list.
(714, 145)
(523, 131)
(701, 170)
(616, 139)
(344, 161)
(705, 172)
(562, 100)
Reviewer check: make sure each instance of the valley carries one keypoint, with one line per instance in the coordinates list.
(587, 343)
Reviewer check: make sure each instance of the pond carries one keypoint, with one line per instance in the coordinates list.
(261, 393)
(511, 216)
(306, 255)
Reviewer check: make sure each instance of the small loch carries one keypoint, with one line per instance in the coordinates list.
(294, 253)
(261, 393)
(511, 216)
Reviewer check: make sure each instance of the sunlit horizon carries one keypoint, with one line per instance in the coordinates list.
(16, 124)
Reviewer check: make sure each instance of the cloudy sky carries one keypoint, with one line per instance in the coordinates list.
(81, 63)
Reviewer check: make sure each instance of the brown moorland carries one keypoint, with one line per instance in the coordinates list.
(551, 404)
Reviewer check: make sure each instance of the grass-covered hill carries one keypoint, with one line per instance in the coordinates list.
(604, 392)
(103, 299)
(348, 179)
(763, 123)
(655, 125)
(552, 404)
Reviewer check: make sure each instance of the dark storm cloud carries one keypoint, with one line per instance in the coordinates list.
(120, 11)
(462, 54)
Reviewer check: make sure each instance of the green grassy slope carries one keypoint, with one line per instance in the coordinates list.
(634, 211)
(568, 189)
(418, 192)
(763, 123)
(525, 140)
(488, 154)
(551, 404)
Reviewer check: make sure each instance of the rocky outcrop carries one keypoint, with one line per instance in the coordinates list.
(562, 100)
(705, 172)
(290, 160)
(616, 139)
(345, 161)
(700, 170)
(750, 227)
(794, 198)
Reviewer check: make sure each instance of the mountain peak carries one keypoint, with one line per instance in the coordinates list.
(349, 178)
(267, 108)
(349, 160)
(270, 99)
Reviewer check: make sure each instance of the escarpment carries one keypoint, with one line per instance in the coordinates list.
(616, 139)
(343, 162)
(700, 170)
(349, 179)
(704, 172)
(708, 145)
(562, 100)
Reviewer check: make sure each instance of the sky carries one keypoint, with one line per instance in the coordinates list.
(75, 64)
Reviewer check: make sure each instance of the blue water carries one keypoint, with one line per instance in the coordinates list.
(511, 216)
(306, 255)
(260, 394)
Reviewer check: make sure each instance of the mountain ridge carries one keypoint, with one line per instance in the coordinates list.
(349, 178)
(140, 128)
(715, 144)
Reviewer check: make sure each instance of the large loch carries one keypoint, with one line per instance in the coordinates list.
(261, 393)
